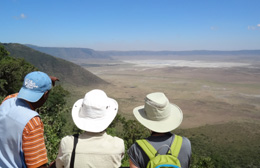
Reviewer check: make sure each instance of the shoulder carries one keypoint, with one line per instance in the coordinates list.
(134, 149)
(67, 139)
(10, 96)
(66, 143)
(8, 104)
(186, 147)
(137, 155)
(23, 106)
(186, 142)
(118, 140)
(114, 139)
(33, 124)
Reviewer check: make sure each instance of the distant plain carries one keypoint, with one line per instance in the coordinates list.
(209, 92)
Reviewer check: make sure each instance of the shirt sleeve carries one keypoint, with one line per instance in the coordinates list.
(59, 160)
(33, 144)
(65, 151)
(137, 156)
(185, 153)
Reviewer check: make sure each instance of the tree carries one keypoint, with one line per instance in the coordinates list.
(3, 52)
(57, 96)
(12, 72)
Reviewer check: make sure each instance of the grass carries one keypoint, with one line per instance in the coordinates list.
(236, 143)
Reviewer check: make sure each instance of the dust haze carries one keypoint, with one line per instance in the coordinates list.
(208, 92)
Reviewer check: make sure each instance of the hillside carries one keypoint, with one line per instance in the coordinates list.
(233, 144)
(66, 71)
(70, 53)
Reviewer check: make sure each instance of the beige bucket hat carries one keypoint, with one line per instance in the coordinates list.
(158, 114)
(95, 112)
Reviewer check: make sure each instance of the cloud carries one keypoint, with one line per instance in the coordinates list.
(214, 28)
(257, 27)
(21, 16)
(251, 27)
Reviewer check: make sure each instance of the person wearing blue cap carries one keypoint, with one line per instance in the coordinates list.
(21, 129)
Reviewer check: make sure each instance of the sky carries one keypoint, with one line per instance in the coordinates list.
(156, 25)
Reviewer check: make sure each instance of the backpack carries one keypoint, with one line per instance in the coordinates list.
(162, 161)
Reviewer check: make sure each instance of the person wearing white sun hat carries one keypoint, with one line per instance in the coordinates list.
(95, 148)
(160, 117)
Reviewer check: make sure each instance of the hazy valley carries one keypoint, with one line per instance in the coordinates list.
(207, 92)
(211, 87)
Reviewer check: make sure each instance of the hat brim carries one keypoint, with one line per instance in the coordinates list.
(94, 125)
(168, 124)
(29, 95)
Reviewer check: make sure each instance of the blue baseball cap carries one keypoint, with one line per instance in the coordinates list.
(34, 86)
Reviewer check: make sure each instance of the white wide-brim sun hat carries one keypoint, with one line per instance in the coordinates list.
(95, 112)
(158, 114)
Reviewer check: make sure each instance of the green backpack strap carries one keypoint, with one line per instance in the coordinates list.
(176, 145)
(150, 151)
(147, 148)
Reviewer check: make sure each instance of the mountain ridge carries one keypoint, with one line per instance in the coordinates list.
(70, 53)
(74, 54)
(188, 52)
(66, 71)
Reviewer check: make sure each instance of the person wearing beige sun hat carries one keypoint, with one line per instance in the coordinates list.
(94, 147)
(161, 117)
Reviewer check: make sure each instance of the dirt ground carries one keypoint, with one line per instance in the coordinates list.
(205, 95)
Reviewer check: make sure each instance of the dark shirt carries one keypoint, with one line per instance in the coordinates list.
(140, 159)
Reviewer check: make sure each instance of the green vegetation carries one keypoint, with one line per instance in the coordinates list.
(213, 146)
(12, 72)
(234, 144)
(66, 71)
